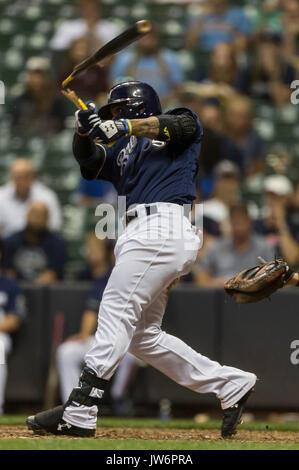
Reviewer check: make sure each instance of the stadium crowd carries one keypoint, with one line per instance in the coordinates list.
(238, 58)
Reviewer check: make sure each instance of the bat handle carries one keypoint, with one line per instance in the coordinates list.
(72, 96)
(67, 80)
(82, 104)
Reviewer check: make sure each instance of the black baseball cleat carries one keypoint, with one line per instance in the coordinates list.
(51, 421)
(232, 416)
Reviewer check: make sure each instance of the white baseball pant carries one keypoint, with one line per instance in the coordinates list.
(151, 253)
(70, 358)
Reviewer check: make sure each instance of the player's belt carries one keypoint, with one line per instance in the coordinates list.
(149, 210)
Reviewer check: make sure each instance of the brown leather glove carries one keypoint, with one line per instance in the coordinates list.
(254, 284)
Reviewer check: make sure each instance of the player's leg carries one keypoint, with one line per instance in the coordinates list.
(145, 266)
(136, 279)
(5, 347)
(69, 359)
(182, 364)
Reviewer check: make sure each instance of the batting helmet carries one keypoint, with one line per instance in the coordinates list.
(138, 100)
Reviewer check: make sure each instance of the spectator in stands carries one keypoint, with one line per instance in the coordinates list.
(12, 313)
(17, 195)
(70, 354)
(223, 69)
(216, 142)
(190, 96)
(39, 110)
(293, 212)
(230, 255)
(276, 225)
(99, 259)
(207, 104)
(291, 32)
(35, 254)
(268, 16)
(225, 195)
(271, 73)
(242, 135)
(87, 85)
(220, 22)
(151, 64)
(89, 24)
(212, 116)
(222, 191)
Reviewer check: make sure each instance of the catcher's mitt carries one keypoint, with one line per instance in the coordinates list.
(254, 284)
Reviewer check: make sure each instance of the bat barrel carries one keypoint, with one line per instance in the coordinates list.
(123, 40)
(143, 26)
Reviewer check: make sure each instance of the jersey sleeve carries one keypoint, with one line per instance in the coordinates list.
(96, 160)
(108, 170)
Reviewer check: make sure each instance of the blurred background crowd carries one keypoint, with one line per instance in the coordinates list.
(232, 62)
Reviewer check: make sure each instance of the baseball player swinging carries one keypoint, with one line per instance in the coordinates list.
(152, 159)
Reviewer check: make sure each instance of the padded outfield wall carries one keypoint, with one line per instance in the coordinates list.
(262, 338)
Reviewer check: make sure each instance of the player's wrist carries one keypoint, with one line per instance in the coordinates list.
(127, 127)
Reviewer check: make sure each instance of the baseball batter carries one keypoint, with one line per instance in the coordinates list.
(152, 159)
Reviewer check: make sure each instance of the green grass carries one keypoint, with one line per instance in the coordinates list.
(134, 444)
(172, 424)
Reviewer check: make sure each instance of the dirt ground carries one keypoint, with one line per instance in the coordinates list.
(21, 432)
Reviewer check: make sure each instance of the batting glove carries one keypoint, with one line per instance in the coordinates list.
(82, 124)
(109, 131)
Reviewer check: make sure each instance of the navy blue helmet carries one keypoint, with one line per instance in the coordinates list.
(138, 100)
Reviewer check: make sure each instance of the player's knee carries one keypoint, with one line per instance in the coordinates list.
(146, 340)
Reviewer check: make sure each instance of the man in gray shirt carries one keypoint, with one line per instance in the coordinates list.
(230, 255)
(18, 194)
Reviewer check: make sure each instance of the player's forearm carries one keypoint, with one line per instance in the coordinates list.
(148, 127)
(177, 129)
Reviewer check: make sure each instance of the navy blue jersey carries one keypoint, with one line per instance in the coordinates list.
(11, 298)
(147, 171)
